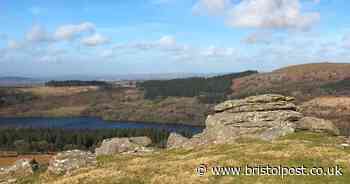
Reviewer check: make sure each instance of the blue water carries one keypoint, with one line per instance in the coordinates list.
(88, 123)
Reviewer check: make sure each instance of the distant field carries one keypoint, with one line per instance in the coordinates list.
(45, 91)
(8, 161)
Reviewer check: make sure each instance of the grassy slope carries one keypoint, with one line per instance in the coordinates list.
(302, 81)
(178, 166)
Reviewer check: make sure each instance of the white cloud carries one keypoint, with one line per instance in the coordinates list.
(167, 41)
(95, 40)
(211, 7)
(71, 31)
(213, 51)
(107, 53)
(38, 34)
(260, 37)
(168, 45)
(346, 41)
(12, 44)
(271, 14)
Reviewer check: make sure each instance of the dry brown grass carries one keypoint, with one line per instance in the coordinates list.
(178, 166)
(301, 81)
(58, 91)
(330, 101)
(8, 161)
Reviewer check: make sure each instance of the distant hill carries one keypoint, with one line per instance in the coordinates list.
(208, 89)
(18, 81)
(303, 81)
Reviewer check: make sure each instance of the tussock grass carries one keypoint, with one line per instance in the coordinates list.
(178, 166)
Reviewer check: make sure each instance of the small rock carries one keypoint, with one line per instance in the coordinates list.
(123, 145)
(66, 162)
(142, 141)
(22, 168)
(176, 140)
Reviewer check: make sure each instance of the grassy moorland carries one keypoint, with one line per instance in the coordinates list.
(302, 81)
(178, 166)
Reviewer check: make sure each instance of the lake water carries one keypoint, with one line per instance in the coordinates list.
(88, 123)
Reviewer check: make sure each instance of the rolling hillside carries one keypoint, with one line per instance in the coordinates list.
(303, 81)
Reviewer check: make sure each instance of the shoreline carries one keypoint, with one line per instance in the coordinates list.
(108, 121)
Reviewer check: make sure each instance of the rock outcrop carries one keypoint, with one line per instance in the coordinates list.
(124, 145)
(64, 163)
(265, 117)
(317, 125)
(21, 168)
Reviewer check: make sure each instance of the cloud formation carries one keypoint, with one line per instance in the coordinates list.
(272, 14)
(95, 40)
(260, 37)
(346, 41)
(260, 14)
(213, 51)
(12, 44)
(38, 34)
(211, 7)
(71, 31)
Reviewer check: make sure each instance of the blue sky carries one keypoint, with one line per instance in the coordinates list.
(50, 38)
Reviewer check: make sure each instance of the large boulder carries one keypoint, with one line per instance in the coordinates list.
(265, 117)
(317, 125)
(64, 163)
(123, 145)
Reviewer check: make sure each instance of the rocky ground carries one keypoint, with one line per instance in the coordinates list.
(178, 165)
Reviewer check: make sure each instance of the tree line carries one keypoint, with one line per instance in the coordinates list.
(12, 96)
(209, 90)
(69, 83)
(30, 140)
(341, 87)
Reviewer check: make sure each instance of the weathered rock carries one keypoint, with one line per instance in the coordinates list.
(317, 125)
(265, 117)
(273, 133)
(142, 141)
(259, 119)
(176, 140)
(123, 145)
(8, 181)
(66, 162)
(21, 168)
(257, 103)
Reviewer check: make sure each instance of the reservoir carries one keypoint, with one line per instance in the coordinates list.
(89, 123)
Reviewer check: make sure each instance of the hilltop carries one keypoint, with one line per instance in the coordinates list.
(302, 81)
